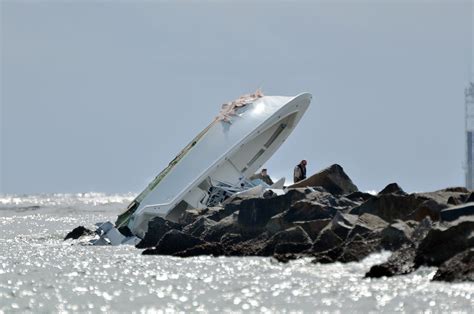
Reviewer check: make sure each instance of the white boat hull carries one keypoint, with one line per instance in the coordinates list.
(224, 154)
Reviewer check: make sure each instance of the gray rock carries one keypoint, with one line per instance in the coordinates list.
(308, 210)
(174, 241)
(326, 199)
(443, 196)
(358, 196)
(367, 223)
(444, 241)
(78, 232)
(333, 179)
(342, 224)
(157, 228)
(358, 248)
(229, 239)
(456, 189)
(453, 213)
(249, 247)
(191, 215)
(227, 225)
(328, 256)
(198, 227)
(458, 268)
(414, 206)
(255, 213)
(326, 240)
(313, 227)
(429, 208)
(213, 249)
(390, 207)
(396, 235)
(400, 262)
(278, 223)
(295, 235)
(219, 213)
(392, 188)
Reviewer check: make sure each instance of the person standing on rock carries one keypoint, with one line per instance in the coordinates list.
(300, 171)
(263, 175)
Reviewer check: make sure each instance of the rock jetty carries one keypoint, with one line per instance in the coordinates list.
(327, 218)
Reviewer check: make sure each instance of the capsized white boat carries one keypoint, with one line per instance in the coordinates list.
(217, 162)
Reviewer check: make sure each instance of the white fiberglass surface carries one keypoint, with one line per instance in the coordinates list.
(244, 161)
(219, 139)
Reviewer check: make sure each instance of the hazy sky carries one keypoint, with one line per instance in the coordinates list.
(100, 96)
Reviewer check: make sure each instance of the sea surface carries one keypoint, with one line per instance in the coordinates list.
(39, 272)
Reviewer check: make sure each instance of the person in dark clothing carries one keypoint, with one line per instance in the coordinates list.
(262, 176)
(300, 171)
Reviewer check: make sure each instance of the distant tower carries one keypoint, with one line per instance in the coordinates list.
(469, 94)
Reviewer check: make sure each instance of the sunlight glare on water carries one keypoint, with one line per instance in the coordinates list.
(40, 272)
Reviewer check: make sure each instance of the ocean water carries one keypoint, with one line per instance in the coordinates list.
(39, 272)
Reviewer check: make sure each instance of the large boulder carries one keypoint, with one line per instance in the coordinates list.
(357, 248)
(235, 200)
(456, 189)
(278, 223)
(390, 207)
(157, 227)
(400, 262)
(234, 203)
(249, 247)
(360, 197)
(198, 227)
(308, 210)
(323, 197)
(172, 242)
(326, 240)
(342, 224)
(458, 268)
(333, 179)
(396, 235)
(453, 213)
(429, 208)
(295, 235)
(392, 188)
(229, 239)
(367, 223)
(447, 196)
(409, 207)
(191, 215)
(215, 232)
(313, 227)
(444, 241)
(217, 213)
(255, 213)
(78, 232)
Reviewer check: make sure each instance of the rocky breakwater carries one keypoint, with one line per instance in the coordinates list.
(326, 218)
